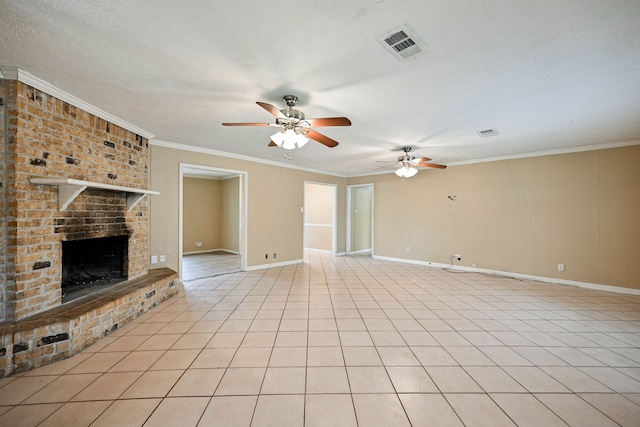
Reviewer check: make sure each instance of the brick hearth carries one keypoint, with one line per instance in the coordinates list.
(63, 331)
(43, 136)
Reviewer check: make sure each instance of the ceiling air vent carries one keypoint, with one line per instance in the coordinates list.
(487, 132)
(402, 43)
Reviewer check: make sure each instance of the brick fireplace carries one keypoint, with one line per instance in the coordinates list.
(104, 168)
(92, 264)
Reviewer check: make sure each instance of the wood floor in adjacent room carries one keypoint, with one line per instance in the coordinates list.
(351, 341)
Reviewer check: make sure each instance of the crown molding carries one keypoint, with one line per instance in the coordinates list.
(202, 150)
(523, 156)
(15, 73)
(549, 152)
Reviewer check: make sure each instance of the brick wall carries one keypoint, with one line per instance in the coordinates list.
(68, 329)
(44, 136)
(7, 199)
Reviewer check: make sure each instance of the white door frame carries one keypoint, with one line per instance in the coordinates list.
(334, 216)
(212, 170)
(349, 224)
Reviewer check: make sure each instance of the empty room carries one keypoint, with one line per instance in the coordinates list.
(328, 213)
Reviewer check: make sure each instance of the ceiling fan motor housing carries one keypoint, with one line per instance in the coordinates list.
(295, 118)
(292, 113)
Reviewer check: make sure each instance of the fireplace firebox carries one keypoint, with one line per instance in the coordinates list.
(92, 264)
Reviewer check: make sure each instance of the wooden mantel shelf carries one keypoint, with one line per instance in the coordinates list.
(69, 189)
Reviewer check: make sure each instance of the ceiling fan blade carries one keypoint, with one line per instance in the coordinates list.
(272, 144)
(395, 165)
(323, 139)
(273, 110)
(246, 124)
(422, 160)
(431, 165)
(329, 121)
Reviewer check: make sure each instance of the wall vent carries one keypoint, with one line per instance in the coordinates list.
(402, 43)
(487, 132)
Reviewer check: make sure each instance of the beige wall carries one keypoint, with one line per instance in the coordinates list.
(318, 216)
(274, 199)
(211, 214)
(523, 216)
(230, 219)
(202, 214)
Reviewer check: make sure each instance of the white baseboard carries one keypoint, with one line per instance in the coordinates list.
(361, 251)
(206, 251)
(275, 264)
(594, 286)
(323, 251)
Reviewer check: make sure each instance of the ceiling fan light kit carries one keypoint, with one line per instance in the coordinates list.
(289, 139)
(406, 171)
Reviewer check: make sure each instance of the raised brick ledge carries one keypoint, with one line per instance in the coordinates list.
(65, 330)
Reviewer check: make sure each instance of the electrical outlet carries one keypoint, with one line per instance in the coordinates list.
(274, 255)
(154, 259)
(199, 244)
(266, 256)
(560, 267)
(408, 249)
(163, 258)
(458, 256)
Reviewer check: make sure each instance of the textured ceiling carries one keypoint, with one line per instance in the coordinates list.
(548, 75)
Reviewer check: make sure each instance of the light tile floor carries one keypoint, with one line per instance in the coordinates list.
(351, 341)
(210, 264)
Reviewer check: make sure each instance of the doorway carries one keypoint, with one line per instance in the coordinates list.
(212, 221)
(320, 217)
(360, 219)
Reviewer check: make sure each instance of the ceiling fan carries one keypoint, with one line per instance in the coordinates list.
(296, 129)
(408, 164)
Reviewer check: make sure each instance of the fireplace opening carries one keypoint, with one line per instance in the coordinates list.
(92, 264)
